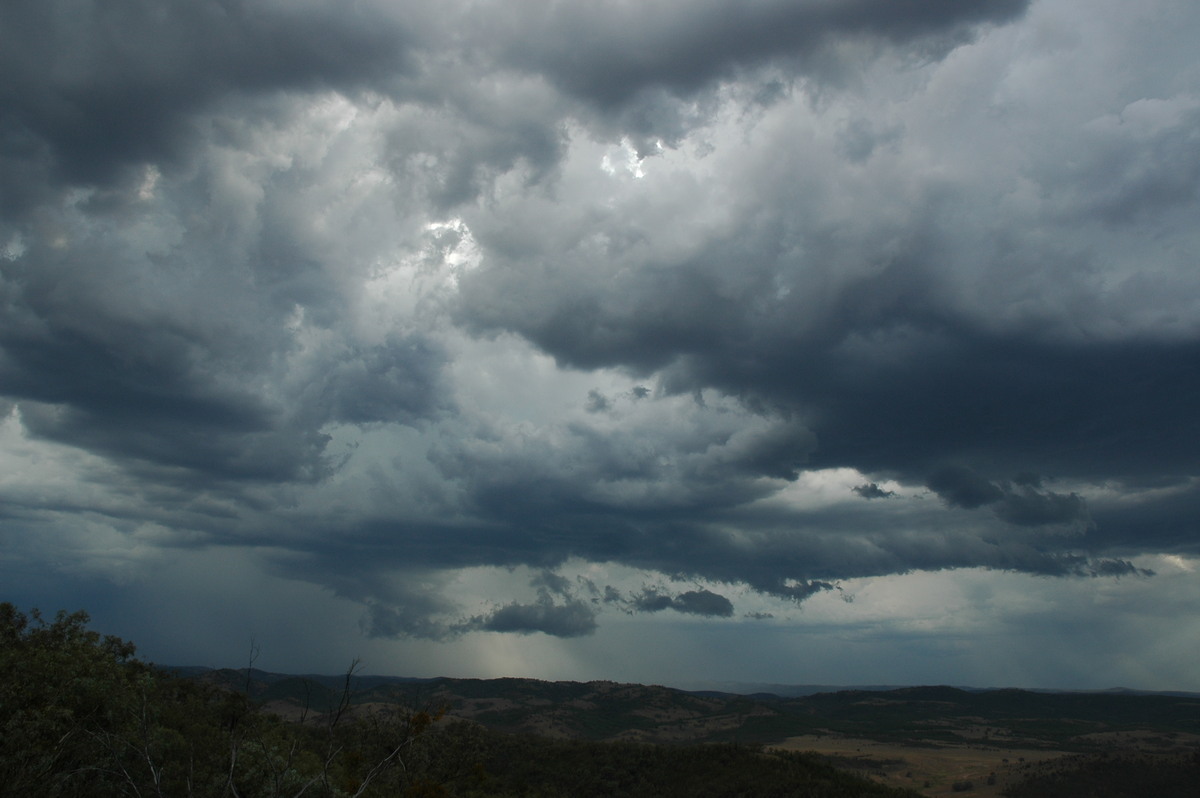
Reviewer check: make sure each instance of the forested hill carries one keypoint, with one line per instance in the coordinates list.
(613, 711)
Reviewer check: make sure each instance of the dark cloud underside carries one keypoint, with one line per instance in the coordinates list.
(91, 88)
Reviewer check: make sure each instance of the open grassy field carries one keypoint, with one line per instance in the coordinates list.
(932, 771)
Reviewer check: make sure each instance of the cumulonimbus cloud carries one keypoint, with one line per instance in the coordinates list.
(603, 283)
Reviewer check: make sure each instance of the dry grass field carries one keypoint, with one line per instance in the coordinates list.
(932, 771)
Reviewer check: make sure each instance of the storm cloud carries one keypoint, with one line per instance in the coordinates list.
(693, 602)
(535, 319)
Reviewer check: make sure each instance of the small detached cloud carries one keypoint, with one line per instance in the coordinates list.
(570, 619)
(693, 602)
(872, 491)
(597, 402)
(556, 612)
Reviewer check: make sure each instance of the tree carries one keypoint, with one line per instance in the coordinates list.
(81, 716)
(62, 691)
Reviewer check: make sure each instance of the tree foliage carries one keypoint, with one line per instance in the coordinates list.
(82, 716)
(1127, 774)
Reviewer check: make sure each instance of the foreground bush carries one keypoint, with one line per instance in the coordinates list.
(81, 716)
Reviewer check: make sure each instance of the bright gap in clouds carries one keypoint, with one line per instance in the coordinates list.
(628, 159)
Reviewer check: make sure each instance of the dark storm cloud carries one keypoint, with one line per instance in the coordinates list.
(609, 52)
(647, 71)
(412, 618)
(792, 555)
(1020, 504)
(1165, 520)
(552, 583)
(160, 390)
(184, 374)
(887, 382)
(91, 87)
(1142, 179)
(133, 371)
(420, 612)
(142, 390)
(646, 464)
(399, 381)
(872, 491)
(1085, 411)
(1117, 568)
(571, 618)
(1081, 409)
(597, 402)
(1028, 507)
(692, 602)
(962, 487)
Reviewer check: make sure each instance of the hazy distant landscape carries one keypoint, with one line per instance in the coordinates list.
(1076, 721)
(935, 740)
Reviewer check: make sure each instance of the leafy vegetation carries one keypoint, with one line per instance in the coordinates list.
(473, 761)
(1112, 775)
(81, 716)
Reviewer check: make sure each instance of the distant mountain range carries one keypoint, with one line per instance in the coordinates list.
(795, 690)
(600, 710)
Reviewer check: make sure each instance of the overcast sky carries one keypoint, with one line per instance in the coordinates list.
(797, 341)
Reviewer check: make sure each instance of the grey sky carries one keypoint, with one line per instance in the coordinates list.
(502, 338)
